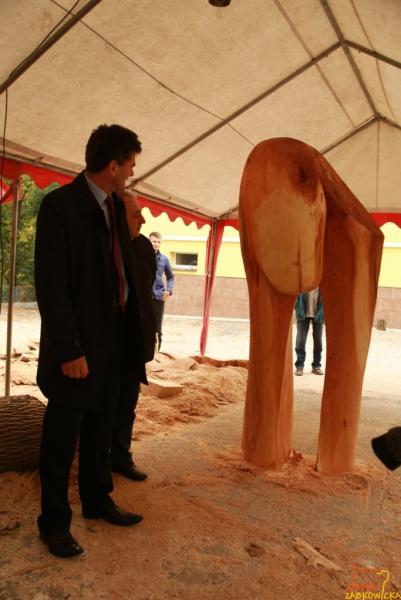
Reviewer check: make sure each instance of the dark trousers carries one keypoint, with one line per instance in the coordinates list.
(158, 310)
(302, 333)
(63, 427)
(120, 454)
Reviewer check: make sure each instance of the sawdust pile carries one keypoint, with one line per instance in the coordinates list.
(206, 385)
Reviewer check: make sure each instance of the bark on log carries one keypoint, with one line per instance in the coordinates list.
(21, 420)
(301, 227)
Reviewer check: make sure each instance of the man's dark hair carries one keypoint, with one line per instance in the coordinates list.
(110, 142)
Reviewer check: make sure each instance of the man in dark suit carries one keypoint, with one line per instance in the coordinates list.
(85, 288)
(145, 267)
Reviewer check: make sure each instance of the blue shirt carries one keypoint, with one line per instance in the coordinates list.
(163, 267)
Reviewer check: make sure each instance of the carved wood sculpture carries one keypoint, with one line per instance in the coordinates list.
(301, 227)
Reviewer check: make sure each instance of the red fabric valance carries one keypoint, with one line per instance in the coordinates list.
(42, 176)
(387, 217)
(157, 208)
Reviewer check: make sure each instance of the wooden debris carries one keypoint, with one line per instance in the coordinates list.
(32, 568)
(18, 350)
(255, 550)
(314, 557)
(163, 357)
(214, 362)
(10, 526)
(162, 388)
(186, 363)
(23, 381)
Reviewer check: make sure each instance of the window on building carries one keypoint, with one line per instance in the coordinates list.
(184, 261)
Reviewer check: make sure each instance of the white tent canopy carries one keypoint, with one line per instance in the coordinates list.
(202, 85)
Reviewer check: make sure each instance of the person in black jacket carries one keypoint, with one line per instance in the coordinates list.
(145, 266)
(85, 288)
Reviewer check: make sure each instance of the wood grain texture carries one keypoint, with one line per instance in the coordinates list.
(301, 227)
(21, 419)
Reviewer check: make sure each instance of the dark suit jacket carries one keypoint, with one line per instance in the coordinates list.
(76, 295)
(145, 267)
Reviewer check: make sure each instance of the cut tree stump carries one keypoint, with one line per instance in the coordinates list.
(21, 419)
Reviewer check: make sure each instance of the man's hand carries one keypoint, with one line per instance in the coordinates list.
(76, 369)
(166, 295)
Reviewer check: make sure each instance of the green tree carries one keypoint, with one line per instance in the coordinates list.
(31, 198)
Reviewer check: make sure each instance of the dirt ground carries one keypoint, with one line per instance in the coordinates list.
(214, 525)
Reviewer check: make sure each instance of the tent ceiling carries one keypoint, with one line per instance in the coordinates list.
(202, 85)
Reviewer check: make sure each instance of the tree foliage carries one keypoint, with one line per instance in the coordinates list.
(31, 198)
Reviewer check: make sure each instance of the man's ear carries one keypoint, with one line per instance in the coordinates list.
(112, 167)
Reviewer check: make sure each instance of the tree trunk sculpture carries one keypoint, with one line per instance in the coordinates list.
(301, 227)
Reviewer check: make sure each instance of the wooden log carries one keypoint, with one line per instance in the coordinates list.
(21, 419)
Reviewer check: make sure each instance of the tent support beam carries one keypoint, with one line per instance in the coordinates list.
(377, 119)
(239, 112)
(351, 134)
(40, 50)
(38, 163)
(390, 122)
(374, 54)
(11, 283)
(347, 52)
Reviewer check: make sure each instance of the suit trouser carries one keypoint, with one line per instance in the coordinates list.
(63, 426)
(158, 311)
(120, 454)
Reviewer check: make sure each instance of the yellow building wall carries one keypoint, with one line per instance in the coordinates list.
(178, 237)
(193, 239)
(230, 262)
(390, 272)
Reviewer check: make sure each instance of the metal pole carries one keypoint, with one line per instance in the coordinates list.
(11, 283)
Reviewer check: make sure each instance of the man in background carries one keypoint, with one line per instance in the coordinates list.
(163, 285)
(309, 310)
(145, 267)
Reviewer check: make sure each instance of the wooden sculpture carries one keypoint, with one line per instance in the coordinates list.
(301, 227)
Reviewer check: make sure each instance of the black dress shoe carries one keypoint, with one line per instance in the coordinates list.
(131, 472)
(62, 545)
(114, 515)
